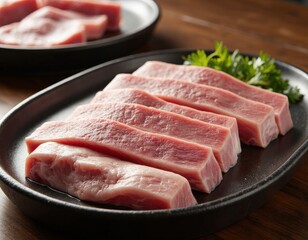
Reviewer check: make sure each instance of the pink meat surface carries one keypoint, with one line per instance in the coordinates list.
(209, 76)
(95, 26)
(41, 28)
(50, 26)
(141, 97)
(96, 177)
(90, 7)
(256, 121)
(157, 121)
(194, 162)
(15, 10)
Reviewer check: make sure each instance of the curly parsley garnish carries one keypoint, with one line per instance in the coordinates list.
(259, 71)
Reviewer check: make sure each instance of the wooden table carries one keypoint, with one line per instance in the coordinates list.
(276, 27)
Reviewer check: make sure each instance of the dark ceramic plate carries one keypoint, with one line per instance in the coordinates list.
(245, 187)
(139, 18)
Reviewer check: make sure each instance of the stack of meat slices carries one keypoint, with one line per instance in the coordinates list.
(48, 23)
(150, 138)
(211, 77)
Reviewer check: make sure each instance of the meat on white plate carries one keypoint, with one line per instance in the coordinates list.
(111, 9)
(15, 10)
(212, 77)
(256, 121)
(174, 125)
(193, 161)
(50, 26)
(131, 95)
(100, 178)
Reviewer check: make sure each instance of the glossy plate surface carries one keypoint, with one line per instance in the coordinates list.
(245, 187)
(139, 18)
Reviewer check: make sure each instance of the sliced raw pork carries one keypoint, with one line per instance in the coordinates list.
(138, 96)
(157, 121)
(51, 27)
(90, 7)
(209, 76)
(256, 121)
(193, 161)
(15, 10)
(97, 177)
(95, 26)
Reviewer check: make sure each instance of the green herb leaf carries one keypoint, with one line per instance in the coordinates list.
(259, 71)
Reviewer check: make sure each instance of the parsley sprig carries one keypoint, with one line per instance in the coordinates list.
(259, 71)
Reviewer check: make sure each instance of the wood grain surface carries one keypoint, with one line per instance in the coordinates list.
(277, 27)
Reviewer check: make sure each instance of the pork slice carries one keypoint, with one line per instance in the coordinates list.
(89, 7)
(256, 121)
(15, 10)
(100, 178)
(141, 97)
(194, 162)
(212, 77)
(50, 26)
(43, 28)
(95, 26)
(157, 121)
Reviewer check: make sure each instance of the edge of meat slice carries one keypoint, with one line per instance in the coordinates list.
(100, 178)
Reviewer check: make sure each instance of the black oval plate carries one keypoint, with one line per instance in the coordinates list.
(139, 18)
(244, 188)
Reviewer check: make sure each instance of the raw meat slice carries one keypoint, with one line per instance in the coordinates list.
(166, 123)
(96, 177)
(256, 121)
(38, 29)
(95, 26)
(194, 162)
(209, 76)
(89, 7)
(15, 10)
(141, 97)
(15, 34)
(50, 26)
